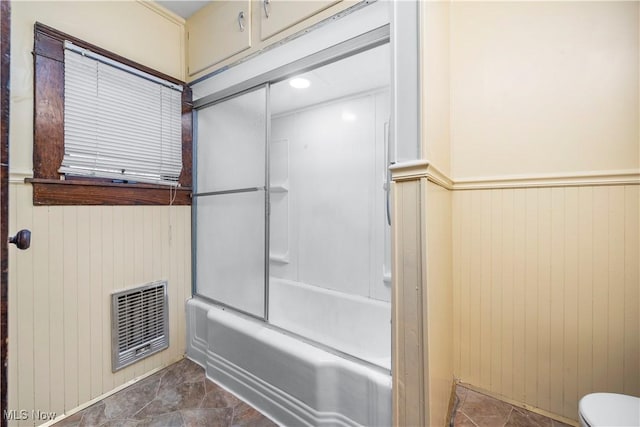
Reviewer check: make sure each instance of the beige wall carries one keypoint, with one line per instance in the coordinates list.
(135, 30)
(59, 318)
(435, 108)
(544, 87)
(546, 274)
(436, 149)
(546, 293)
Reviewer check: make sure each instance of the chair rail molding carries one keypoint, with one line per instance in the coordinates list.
(417, 169)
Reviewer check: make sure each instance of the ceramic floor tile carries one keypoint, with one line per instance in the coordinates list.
(245, 416)
(178, 396)
(72, 421)
(522, 417)
(489, 421)
(121, 423)
(217, 397)
(474, 409)
(220, 417)
(155, 408)
(461, 394)
(478, 405)
(172, 419)
(182, 395)
(461, 420)
(126, 403)
(94, 415)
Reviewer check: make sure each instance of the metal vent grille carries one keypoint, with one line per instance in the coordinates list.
(139, 323)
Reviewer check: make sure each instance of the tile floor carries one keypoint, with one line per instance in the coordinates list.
(181, 396)
(477, 410)
(177, 396)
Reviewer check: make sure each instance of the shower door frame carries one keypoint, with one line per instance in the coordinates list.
(267, 195)
(368, 40)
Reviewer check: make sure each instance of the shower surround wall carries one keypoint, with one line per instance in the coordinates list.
(329, 228)
(328, 225)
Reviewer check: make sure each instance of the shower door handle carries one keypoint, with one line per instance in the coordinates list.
(388, 162)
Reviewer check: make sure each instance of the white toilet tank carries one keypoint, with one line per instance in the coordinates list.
(609, 409)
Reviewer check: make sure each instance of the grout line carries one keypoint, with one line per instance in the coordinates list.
(508, 416)
(469, 418)
(204, 395)
(233, 415)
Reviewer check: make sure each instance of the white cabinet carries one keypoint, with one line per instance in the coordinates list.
(278, 15)
(217, 32)
(234, 29)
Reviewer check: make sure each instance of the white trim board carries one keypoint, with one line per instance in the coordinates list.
(18, 176)
(425, 169)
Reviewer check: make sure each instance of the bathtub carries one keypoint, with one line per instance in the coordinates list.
(354, 325)
(289, 380)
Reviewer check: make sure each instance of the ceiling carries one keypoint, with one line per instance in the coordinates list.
(184, 8)
(355, 74)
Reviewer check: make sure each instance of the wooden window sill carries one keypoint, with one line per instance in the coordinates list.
(53, 192)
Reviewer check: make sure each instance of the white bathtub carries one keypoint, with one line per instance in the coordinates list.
(292, 382)
(354, 325)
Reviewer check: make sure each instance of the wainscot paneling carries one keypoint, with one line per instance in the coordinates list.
(547, 293)
(422, 302)
(407, 310)
(59, 295)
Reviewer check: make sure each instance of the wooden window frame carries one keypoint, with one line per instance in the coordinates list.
(48, 136)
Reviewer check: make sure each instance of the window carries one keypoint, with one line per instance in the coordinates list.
(128, 128)
(119, 123)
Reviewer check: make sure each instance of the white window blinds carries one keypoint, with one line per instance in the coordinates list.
(118, 124)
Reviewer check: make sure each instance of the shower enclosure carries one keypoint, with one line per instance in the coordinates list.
(292, 229)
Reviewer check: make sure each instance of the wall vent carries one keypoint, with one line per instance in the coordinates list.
(139, 323)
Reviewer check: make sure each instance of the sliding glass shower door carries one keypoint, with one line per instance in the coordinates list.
(292, 200)
(230, 202)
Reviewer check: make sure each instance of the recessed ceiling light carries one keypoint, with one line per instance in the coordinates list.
(348, 116)
(299, 83)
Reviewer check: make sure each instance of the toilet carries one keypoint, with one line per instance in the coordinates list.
(609, 409)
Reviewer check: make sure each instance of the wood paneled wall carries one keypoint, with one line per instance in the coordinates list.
(59, 295)
(422, 303)
(408, 344)
(438, 302)
(547, 292)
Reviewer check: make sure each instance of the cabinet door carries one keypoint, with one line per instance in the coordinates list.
(217, 32)
(278, 15)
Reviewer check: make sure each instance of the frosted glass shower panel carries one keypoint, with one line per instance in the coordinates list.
(231, 143)
(230, 248)
(279, 201)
